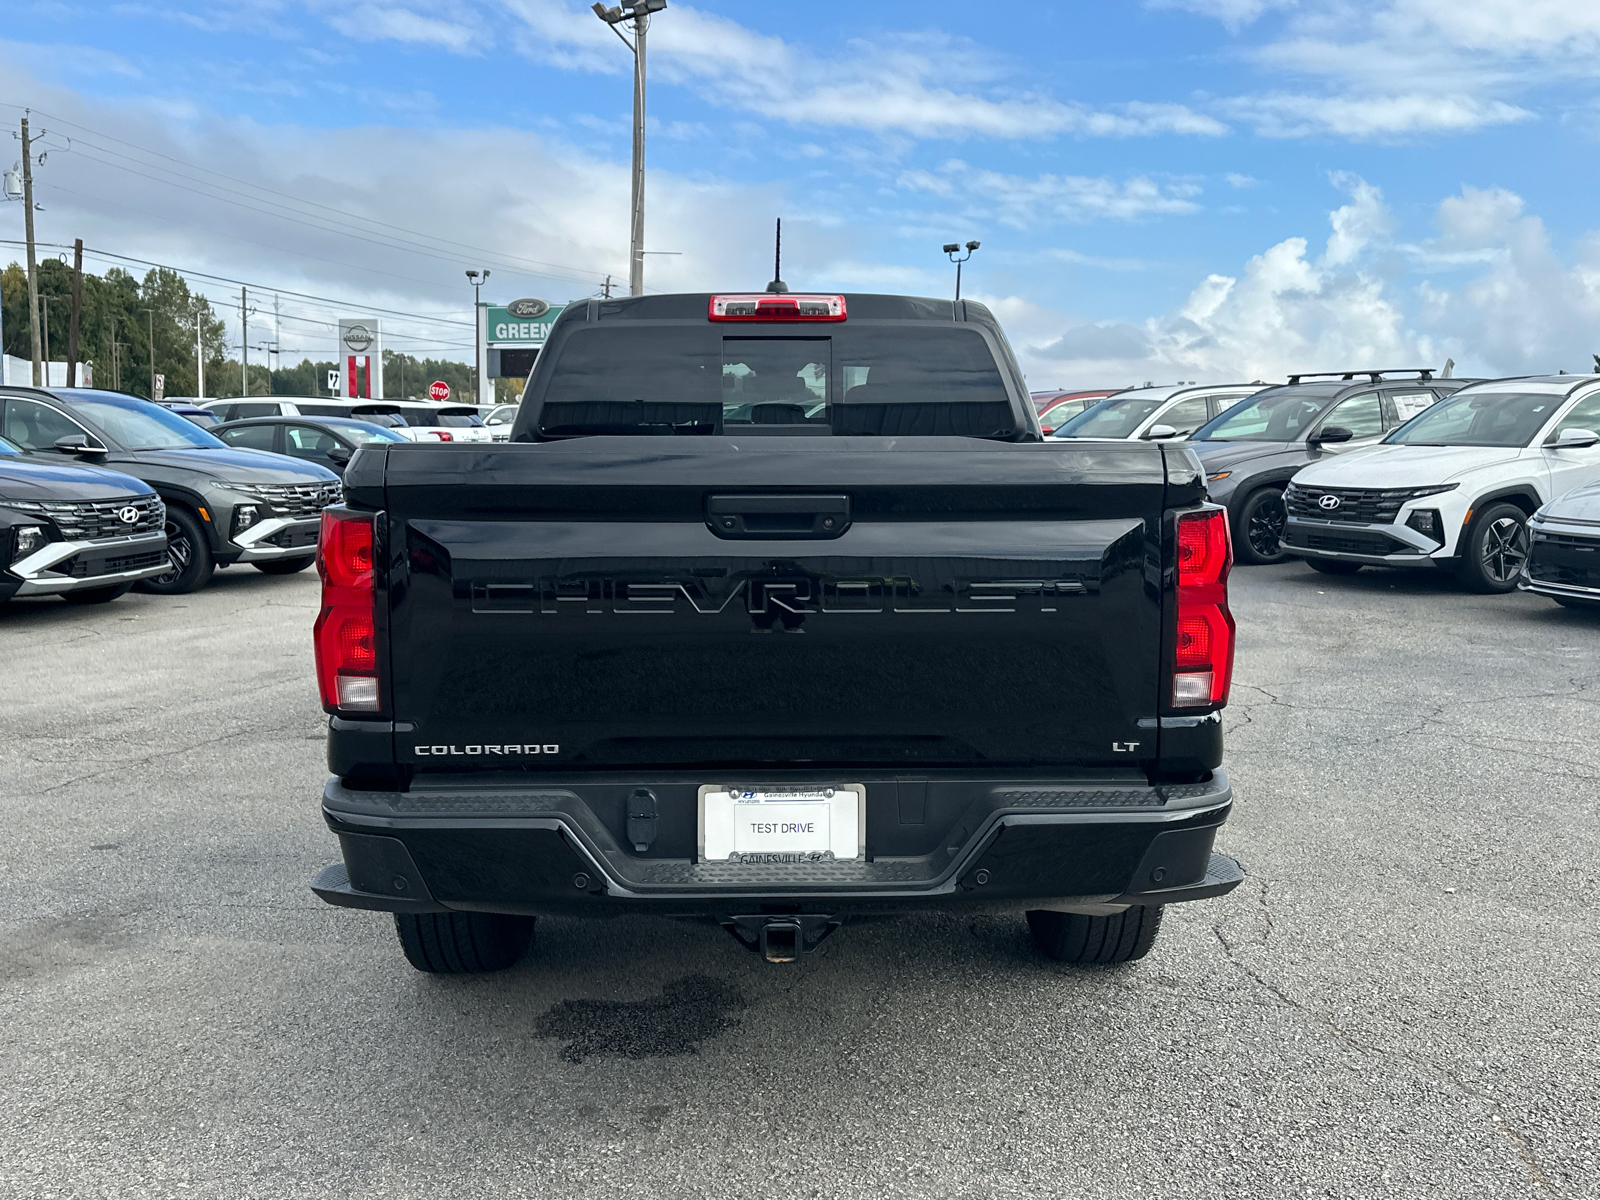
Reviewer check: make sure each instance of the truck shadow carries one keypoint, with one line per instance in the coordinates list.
(657, 988)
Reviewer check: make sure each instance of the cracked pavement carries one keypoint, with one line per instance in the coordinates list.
(1398, 1002)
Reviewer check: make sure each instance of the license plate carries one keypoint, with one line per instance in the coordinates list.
(776, 824)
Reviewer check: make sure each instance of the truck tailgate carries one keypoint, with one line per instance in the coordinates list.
(587, 604)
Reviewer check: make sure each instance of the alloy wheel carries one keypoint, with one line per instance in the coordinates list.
(1267, 523)
(179, 550)
(1505, 549)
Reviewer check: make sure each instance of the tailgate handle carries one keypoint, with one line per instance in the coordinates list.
(778, 516)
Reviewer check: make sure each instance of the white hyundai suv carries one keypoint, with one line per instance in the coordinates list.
(1454, 486)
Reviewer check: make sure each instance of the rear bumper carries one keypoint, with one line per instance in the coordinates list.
(1023, 844)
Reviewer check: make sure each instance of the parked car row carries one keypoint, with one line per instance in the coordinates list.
(1497, 481)
(101, 491)
(415, 420)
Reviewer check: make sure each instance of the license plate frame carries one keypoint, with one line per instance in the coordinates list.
(721, 839)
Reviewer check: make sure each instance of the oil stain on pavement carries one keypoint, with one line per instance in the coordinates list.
(688, 1011)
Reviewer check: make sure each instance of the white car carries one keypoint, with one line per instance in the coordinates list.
(1455, 485)
(1152, 413)
(500, 420)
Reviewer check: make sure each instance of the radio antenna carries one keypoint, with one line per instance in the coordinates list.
(777, 284)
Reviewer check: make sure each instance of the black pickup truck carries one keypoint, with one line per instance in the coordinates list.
(776, 610)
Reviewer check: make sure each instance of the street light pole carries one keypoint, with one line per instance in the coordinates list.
(639, 13)
(952, 249)
(478, 279)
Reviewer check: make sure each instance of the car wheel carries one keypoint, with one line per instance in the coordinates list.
(1494, 549)
(284, 566)
(192, 564)
(1333, 566)
(1080, 938)
(462, 943)
(96, 595)
(1258, 540)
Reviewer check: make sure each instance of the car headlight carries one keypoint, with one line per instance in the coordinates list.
(26, 539)
(244, 516)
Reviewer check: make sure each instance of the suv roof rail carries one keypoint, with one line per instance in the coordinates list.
(1423, 373)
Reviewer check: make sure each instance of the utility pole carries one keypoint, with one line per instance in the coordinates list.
(199, 350)
(639, 12)
(244, 342)
(606, 290)
(151, 313)
(44, 320)
(277, 335)
(33, 267)
(77, 312)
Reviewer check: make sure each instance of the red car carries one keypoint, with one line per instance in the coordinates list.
(1056, 408)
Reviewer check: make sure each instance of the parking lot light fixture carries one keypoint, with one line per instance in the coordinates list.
(954, 248)
(638, 11)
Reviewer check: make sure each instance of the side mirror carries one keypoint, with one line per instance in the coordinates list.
(1567, 439)
(1158, 432)
(77, 443)
(1333, 433)
(340, 454)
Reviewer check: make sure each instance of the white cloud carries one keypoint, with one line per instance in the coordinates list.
(924, 85)
(1024, 203)
(372, 22)
(1285, 311)
(1528, 311)
(1232, 13)
(1241, 181)
(1284, 115)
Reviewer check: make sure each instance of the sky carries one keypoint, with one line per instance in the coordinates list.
(1175, 189)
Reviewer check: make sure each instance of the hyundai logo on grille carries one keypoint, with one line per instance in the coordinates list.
(128, 515)
(1330, 502)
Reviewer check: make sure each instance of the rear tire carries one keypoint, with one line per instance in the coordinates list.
(1079, 938)
(284, 566)
(96, 595)
(462, 943)
(1333, 566)
(1493, 550)
(1258, 541)
(192, 564)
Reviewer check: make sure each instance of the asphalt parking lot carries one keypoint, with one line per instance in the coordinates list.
(1399, 1001)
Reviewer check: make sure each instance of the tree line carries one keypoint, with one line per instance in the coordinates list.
(128, 327)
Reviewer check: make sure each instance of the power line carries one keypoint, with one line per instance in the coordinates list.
(364, 222)
(265, 287)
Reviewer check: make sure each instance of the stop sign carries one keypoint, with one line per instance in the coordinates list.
(438, 390)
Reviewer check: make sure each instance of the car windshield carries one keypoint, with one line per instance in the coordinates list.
(140, 425)
(502, 416)
(1479, 419)
(1111, 418)
(1282, 415)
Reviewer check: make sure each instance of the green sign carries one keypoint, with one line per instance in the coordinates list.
(503, 327)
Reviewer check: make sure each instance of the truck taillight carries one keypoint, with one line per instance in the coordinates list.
(777, 306)
(346, 634)
(1203, 654)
